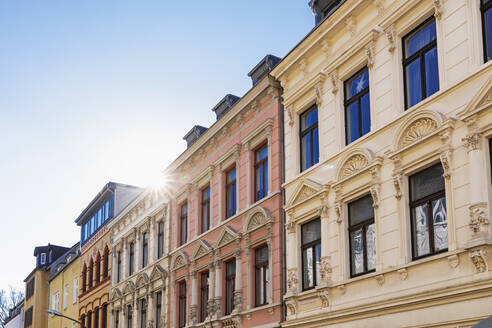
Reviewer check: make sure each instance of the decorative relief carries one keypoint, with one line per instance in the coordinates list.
(318, 88)
(479, 222)
(325, 269)
(370, 55)
(194, 314)
(390, 35)
(453, 260)
(419, 129)
(225, 238)
(231, 323)
(238, 300)
(380, 279)
(353, 165)
(290, 225)
(350, 24)
(256, 221)
(403, 274)
(446, 163)
(324, 296)
(326, 47)
(290, 112)
(303, 66)
(291, 306)
(479, 259)
(334, 82)
(397, 183)
(342, 289)
(472, 141)
(304, 194)
(379, 4)
(375, 196)
(292, 281)
(487, 99)
(210, 307)
(437, 8)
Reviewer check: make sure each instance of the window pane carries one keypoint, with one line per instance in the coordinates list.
(357, 251)
(361, 210)
(265, 187)
(307, 264)
(353, 122)
(315, 146)
(261, 255)
(309, 118)
(317, 257)
(231, 175)
(440, 224)
(262, 154)
(366, 114)
(311, 231)
(357, 84)
(431, 72)
(421, 230)
(420, 38)
(488, 32)
(427, 182)
(306, 151)
(371, 247)
(414, 83)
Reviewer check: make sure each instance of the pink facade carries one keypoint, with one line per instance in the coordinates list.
(242, 250)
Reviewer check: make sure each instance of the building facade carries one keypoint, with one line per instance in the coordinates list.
(387, 165)
(64, 288)
(226, 216)
(37, 286)
(95, 259)
(140, 244)
(16, 316)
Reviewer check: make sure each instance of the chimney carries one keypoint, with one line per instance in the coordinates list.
(194, 134)
(224, 105)
(263, 68)
(323, 8)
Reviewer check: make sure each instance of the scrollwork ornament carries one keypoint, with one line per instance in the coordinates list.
(338, 211)
(324, 296)
(397, 183)
(390, 35)
(472, 141)
(479, 259)
(446, 163)
(325, 269)
(479, 222)
(292, 281)
(375, 196)
(291, 306)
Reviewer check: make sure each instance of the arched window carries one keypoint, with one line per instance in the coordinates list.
(84, 278)
(90, 273)
(106, 263)
(98, 268)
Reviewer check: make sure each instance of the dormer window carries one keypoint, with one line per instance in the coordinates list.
(43, 258)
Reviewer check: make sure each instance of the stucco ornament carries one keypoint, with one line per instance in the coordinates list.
(325, 269)
(487, 99)
(291, 306)
(479, 259)
(353, 165)
(380, 279)
(231, 323)
(437, 8)
(338, 211)
(324, 296)
(403, 274)
(390, 35)
(479, 222)
(418, 130)
(238, 300)
(194, 314)
(292, 281)
(453, 260)
(446, 163)
(210, 307)
(150, 323)
(397, 183)
(472, 141)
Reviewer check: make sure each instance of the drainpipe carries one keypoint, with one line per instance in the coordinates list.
(282, 192)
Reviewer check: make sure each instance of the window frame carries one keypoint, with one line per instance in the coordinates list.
(260, 164)
(106, 263)
(118, 267)
(145, 249)
(205, 202)
(306, 131)
(42, 259)
(183, 224)
(230, 282)
(430, 221)
(484, 7)
(143, 313)
(204, 291)
(129, 316)
(131, 258)
(160, 239)
(264, 278)
(158, 308)
(228, 184)
(182, 291)
(357, 98)
(311, 245)
(421, 55)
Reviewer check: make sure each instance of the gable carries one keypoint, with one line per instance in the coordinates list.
(201, 250)
(481, 101)
(226, 237)
(256, 219)
(304, 190)
(157, 273)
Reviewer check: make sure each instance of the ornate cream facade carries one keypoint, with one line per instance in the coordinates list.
(451, 128)
(135, 295)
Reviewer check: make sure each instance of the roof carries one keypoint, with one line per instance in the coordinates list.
(64, 261)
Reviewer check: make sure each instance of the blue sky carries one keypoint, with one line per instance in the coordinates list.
(94, 91)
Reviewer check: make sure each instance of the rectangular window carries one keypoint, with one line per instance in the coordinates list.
(158, 307)
(205, 209)
(357, 106)
(203, 295)
(65, 297)
(43, 258)
(428, 212)
(311, 253)
(30, 288)
(486, 9)
(75, 290)
(309, 138)
(362, 236)
(420, 65)
(106, 263)
(231, 193)
(183, 224)
(104, 323)
(145, 245)
(262, 283)
(230, 281)
(28, 317)
(55, 299)
(118, 267)
(132, 258)
(261, 173)
(143, 314)
(129, 317)
(117, 319)
(160, 239)
(182, 304)
(96, 318)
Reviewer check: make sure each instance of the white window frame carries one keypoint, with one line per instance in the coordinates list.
(43, 258)
(75, 290)
(65, 297)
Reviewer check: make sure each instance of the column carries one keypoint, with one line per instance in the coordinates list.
(325, 230)
(270, 159)
(248, 278)
(291, 260)
(150, 307)
(137, 255)
(194, 297)
(248, 174)
(135, 312)
(152, 255)
(238, 283)
(124, 256)
(210, 302)
(218, 288)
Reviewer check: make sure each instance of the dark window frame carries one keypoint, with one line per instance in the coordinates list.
(98, 269)
(90, 274)
(131, 261)
(306, 131)
(204, 291)
(260, 165)
(143, 313)
(158, 308)
(351, 228)
(353, 99)
(230, 282)
(106, 263)
(183, 224)
(118, 267)
(425, 200)
(264, 278)
(231, 193)
(104, 322)
(311, 245)
(129, 317)
(160, 239)
(421, 55)
(182, 291)
(205, 203)
(145, 249)
(484, 7)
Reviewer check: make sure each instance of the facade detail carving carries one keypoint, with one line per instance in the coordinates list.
(479, 221)
(351, 25)
(353, 165)
(403, 274)
(325, 269)
(292, 281)
(472, 141)
(291, 306)
(418, 130)
(454, 260)
(324, 296)
(380, 279)
(479, 259)
(437, 8)
(390, 35)
(397, 183)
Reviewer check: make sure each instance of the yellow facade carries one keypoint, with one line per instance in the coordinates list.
(65, 285)
(39, 300)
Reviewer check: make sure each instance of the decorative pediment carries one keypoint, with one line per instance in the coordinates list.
(180, 259)
(227, 236)
(129, 288)
(142, 280)
(115, 294)
(201, 250)
(256, 219)
(158, 273)
(482, 100)
(305, 189)
(355, 161)
(417, 127)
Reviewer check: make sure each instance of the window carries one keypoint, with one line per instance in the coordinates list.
(158, 307)
(98, 268)
(104, 323)
(428, 212)
(129, 319)
(420, 68)
(261, 173)
(82, 320)
(89, 320)
(262, 290)
(65, 297)
(203, 295)
(96, 318)
(205, 209)
(182, 304)
(43, 258)
(230, 280)
(84, 279)
(145, 243)
(357, 106)
(311, 253)
(117, 319)
(183, 224)
(28, 317)
(486, 9)
(106, 263)
(143, 313)
(362, 236)
(30, 288)
(75, 290)
(55, 301)
(231, 193)
(160, 239)
(309, 138)
(118, 267)
(132, 259)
